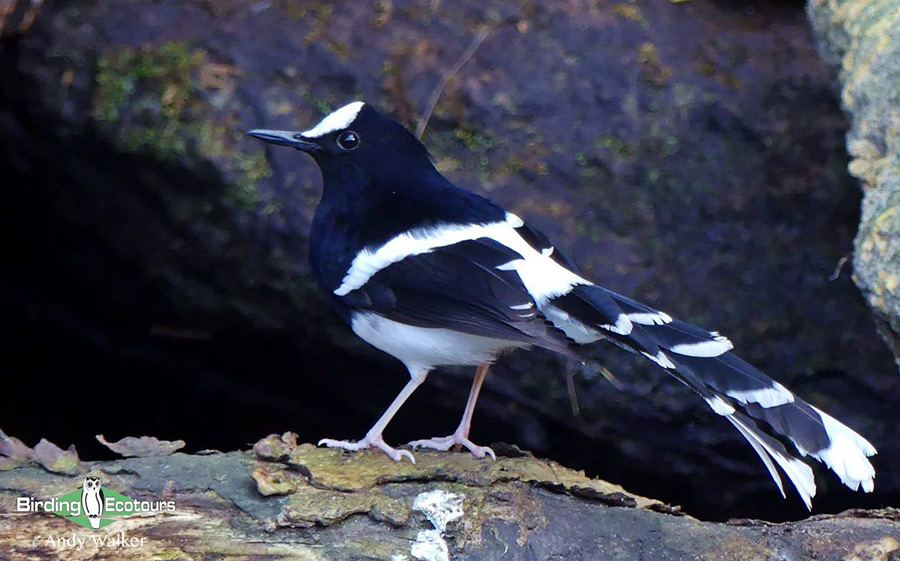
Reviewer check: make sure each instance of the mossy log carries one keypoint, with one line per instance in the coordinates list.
(289, 501)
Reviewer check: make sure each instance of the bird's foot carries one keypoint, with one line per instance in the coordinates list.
(456, 439)
(369, 441)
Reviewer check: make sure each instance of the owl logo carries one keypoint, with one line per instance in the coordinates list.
(92, 501)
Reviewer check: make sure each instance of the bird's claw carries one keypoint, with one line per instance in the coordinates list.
(444, 443)
(368, 442)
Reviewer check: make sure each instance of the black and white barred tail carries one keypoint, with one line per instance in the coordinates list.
(734, 389)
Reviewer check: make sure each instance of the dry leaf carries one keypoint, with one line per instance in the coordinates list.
(13, 448)
(142, 447)
(57, 460)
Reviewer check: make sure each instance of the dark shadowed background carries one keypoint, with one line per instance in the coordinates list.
(690, 154)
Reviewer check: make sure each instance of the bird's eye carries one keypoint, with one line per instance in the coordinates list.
(348, 140)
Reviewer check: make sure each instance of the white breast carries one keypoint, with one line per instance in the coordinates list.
(92, 503)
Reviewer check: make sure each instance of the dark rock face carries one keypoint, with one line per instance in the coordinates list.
(687, 154)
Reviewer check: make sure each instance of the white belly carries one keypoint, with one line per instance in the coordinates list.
(427, 347)
(92, 504)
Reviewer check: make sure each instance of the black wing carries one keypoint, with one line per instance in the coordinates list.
(460, 287)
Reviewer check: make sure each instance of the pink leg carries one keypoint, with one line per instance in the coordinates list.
(373, 437)
(460, 437)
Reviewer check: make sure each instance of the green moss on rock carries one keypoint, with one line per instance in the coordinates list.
(160, 100)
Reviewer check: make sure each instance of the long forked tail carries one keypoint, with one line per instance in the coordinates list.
(734, 389)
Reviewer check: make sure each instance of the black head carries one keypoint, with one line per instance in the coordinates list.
(356, 136)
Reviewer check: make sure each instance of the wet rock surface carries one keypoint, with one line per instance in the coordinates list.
(688, 154)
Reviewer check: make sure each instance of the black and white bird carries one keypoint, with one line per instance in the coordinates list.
(92, 499)
(436, 275)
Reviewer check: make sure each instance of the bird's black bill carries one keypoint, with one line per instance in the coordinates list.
(285, 138)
